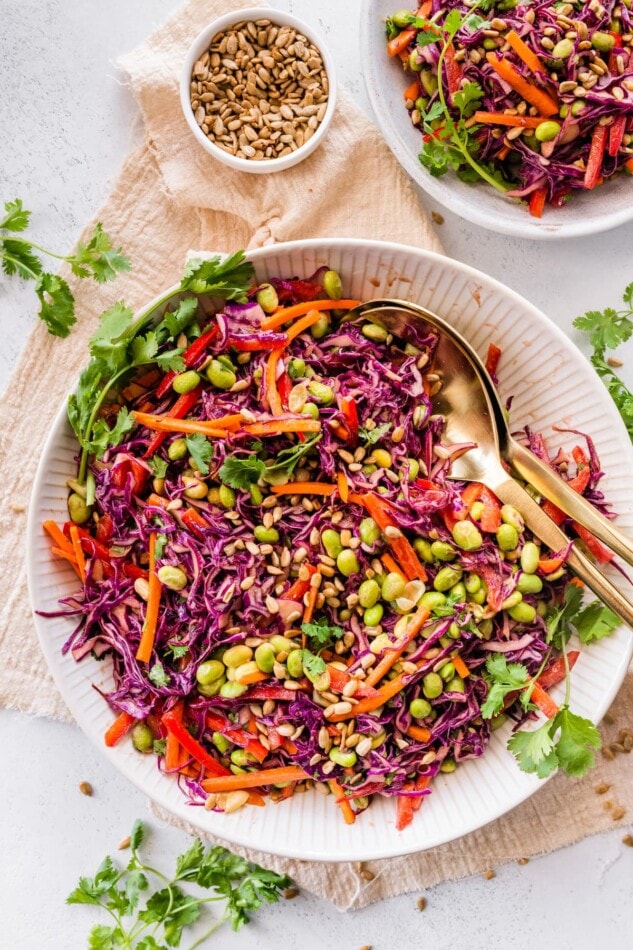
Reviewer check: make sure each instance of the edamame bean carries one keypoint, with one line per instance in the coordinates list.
(401, 19)
(453, 632)
(507, 537)
(322, 393)
(331, 540)
(172, 577)
(476, 510)
(442, 551)
(294, 664)
(213, 688)
(78, 509)
(446, 577)
(220, 376)
(195, 489)
(432, 685)
(232, 690)
(455, 685)
(369, 531)
(467, 536)
(472, 583)
(546, 131)
(530, 555)
(393, 586)
(142, 738)
(368, 593)
(530, 584)
(515, 598)
(345, 757)
(448, 765)
(209, 671)
(281, 644)
(373, 331)
(447, 672)
(310, 409)
(420, 708)
(332, 285)
(256, 494)
(347, 562)
(432, 599)
(424, 550)
(241, 758)
(541, 608)
(177, 450)
(414, 61)
(297, 368)
(603, 42)
(414, 469)
(522, 612)
(185, 382)
(321, 327)
(510, 515)
(429, 81)
(373, 615)
(235, 656)
(220, 742)
(497, 722)
(265, 535)
(563, 49)
(226, 496)
(458, 592)
(265, 657)
(267, 298)
(381, 457)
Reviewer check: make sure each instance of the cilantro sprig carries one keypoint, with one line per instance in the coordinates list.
(97, 258)
(607, 330)
(244, 471)
(144, 920)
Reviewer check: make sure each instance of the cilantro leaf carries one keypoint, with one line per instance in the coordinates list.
(534, 751)
(595, 622)
(158, 675)
(18, 258)
(558, 631)
(103, 938)
(16, 218)
(161, 541)
(97, 258)
(452, 22)
(372, 436)
(468, 98)
(313, 665)
(287, 460)
(138, 835)
(171, 360)
(159, 746)
(110, 341)
(178, 649)
(228, 277)
(201, 451)
(158, 466)
(57, 304)
(105, 437)
(241, 472)
(321, 633)
(177, 320)
(578, 736)
(144, 348)
(502, 678)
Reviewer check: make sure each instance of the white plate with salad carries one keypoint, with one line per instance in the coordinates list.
(537, 141)
(253, 445)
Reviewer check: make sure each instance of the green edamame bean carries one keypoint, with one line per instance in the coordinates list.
(256, 494)
(563, 49)
(530, 555)
(442, 551)
(421, 104)
(226, 496)
(467, 536)
(472, 583)
(507, 537)
(515, 598)
(347, 562)
(265, 657)
(497, 722)
(432, 685)
(213, 688)
(447, 672)
(510, 515)
(603, 42)
(578, 107)
(185, 382)
(331, 540)
(220, 375)
(541, 608)
(267, 298)
(546, 131)
(455, 685)
(369, 531)
(401, 19)
(294, 664)
(420, 708)
(226, 361)
(448, 765)
(232, 690)
(429, 81)
(209, 671)
(424, 550)
(297, 368)
(368, 593)
(177, 450)
(78, 509)
(522, 612)
(530, 584)
(382, 458)
(453, 632)
(241, 758)
(235, 656)
(432, 599)
(265, 535)
(172, 577)
(321, 327)
(345, 757)
(373, 615)
(332, 285)
(458, 591)
(142, 738)
(281, 644)
(414, 469)
(479, 597)
(414, 62)
(476, 510)
(322, 393)
(393, 586)
(373, 331)
(310, 409)
(220, 742)
(446, 577)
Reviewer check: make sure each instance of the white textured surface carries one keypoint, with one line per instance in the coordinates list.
(61, 160)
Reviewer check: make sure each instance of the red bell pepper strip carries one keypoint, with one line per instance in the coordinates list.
(405, 810)
(133, 571)
(578, 483)
(180, 732)
(191, 356)
(269, 341)
(537, 202)
(339, 680)
(89, 545)
(453, 71)
(237, 736)
(284, 385)
(298, 588)
(492, 359)
(490, 520)
(601, 554)
(105, 527)
(616, 131)
(593, 168)
(195, 522)
(543, 701)
(350, 412)
(119, 728)
(183, 405)
(121, 470)
(262, 692)
(556, 672)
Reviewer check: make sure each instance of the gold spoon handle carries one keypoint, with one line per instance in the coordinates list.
(511, 493)
(553, 487)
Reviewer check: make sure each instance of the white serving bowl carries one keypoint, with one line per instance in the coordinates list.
(552, 384)
(586, 213)
(199, 47)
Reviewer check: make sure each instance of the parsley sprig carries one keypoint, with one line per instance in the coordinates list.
(608, 330)
(97, 259)
(157, 920)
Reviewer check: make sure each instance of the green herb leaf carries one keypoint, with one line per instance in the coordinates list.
(161, 541)
(534, 751)
(321, 633)
(241, 472)
(158, 675)
(138, 835)
(171, 360)
(468, 99)
(159, 746)
(16, 218)
(287, 460)
(558, 630)
(103, 938)
(178, 649)
(105, 437)
(98, 259)
(595, 622)
(312, 664)
(110, 341)
(578, 736)
(57, 304)
(201, 451)
(176, 321)
(144, 348)
(158, 466)
(372, 436)
(18, 258)
(228, 277)
(502, 678)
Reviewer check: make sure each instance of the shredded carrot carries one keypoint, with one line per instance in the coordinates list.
(119, 728)
(399, 43)
(536, 97)
(503, 152)
(157, 501)
(460, 667)
(211, 427)
(419, 733)
(275, 426)
(524, 52)
(346, 809)
(254, 798)
(547, 565)
(303, 488)
(629, 165)
(58, 537)
(392, 654)
(79, 554)
(299, 309)
(388, 691)
(67, 557)
(391, 565)
(343, 486)
(544, 701)
(172, 746)
(231, 783)
(303, 324)
(516, 121)
(402, 549)
(245, 679)
(145, 647)
(313, 593)
(270, 383)
(412, 91)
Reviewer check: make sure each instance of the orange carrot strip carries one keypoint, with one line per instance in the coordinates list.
(392, 654)
(313, 593)
(247, 678)
(388, 691)
(540, 100)
(517, 121)
(270, 383)
(402, 549)
(145, 647)
(297, 310)
(231, 783)
(66, 557)
(412, 91)
(275, 426)
(547, 565)
(346, 809)
(303, 488)
(399, 43)
(419, 733)
(544, 701)
(157, 501)
(165, 424)
(460, 667)
(79, 554)
(343, 486)
(120, 727)
(255, 798)
(524, 52)
(391, 565)
(58, 537)
(629, 165)
(172, 746)
(231, 422)
(303, 324)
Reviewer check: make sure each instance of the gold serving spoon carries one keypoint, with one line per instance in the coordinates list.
(473, 412)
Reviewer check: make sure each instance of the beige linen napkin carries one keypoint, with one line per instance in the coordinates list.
(172, 196)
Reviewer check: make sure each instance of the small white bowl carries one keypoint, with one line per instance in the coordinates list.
(199, 47)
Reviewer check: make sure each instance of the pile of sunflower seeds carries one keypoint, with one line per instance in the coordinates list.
(260, 91)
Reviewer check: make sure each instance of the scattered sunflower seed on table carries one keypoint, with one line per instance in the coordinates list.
(260, 91)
